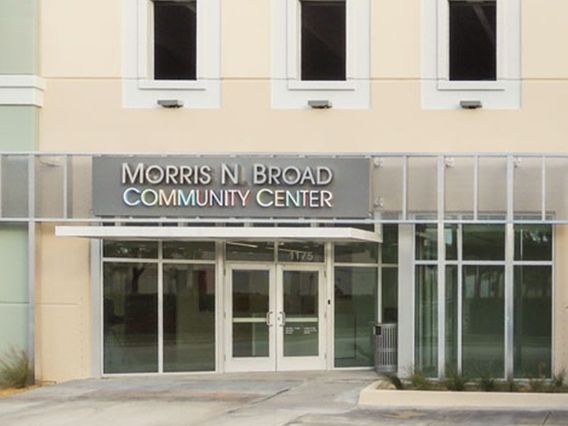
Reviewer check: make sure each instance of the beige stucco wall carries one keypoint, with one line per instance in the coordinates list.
(83, 109)
(63, 307)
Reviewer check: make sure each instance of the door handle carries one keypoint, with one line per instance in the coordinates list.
(268, 316)
(282, 316)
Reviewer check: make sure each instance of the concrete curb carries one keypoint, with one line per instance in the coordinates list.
(371, 397)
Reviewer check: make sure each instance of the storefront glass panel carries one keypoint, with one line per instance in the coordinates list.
(389, 294)
(305, 252)
(251, 302)
(301, 300)
(483, 242)
(426, 336)
(131, 249)
(355, 312)
(426, 242)
(130, 318)
(181, 250)
(389, 247)
(483, 321)
(533, 321)
(189, 317)
(533, 242)
(357, 253)
(257, 251)
(452, 316)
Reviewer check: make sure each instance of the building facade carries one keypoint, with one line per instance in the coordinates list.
(221, 186)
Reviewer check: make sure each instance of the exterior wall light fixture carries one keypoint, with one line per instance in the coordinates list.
(471, 104)
(319, 104)
(170, 103)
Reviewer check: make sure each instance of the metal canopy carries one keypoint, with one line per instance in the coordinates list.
(212, 233)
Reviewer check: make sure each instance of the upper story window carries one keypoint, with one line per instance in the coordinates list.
(323, 40)
(171, 51)
(321, 51)
(473, 40)
(175, 40)
(471, 52)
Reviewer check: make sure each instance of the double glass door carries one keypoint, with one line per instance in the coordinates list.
(275, 318)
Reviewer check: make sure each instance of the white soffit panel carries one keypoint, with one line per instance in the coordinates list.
(217, 233)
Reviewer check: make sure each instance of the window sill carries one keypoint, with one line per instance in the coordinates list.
(172, 84)
(471, 85)
(347, 85)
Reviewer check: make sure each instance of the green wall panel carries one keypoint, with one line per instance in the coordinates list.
(14, 336)
(13, 286)
(18, 37)
(18, 127)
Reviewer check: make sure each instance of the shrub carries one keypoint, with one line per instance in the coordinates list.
(394, 380)
(455, 381)
(537, 385)
(487, 383)
(419, 381)
(15, 369)
(511, 386)
(558, 380)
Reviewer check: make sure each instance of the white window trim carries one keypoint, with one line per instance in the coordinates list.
(140, 89)
(289, 91)
(20, 89)
(438, 92)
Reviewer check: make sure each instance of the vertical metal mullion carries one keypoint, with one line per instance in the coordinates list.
(405, 188)
(509, 283)
(220, 280)
(65, 186)
(509, 300)
(441, 271)
(31, 266)
(160, 309)
(543, 188)
(476, 188)
(460, 299)
(330, 304)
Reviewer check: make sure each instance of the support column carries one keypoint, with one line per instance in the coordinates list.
(405, 300)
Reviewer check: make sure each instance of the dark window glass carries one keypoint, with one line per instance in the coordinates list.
(426, 320)
(483, 318)
(483, 242)
(130, 318)
(451, 240)
(533, 321)
(323, 40)
(300, 252)
(189, 317)
(175, 27)
(473, 40)
(189, 250)
(390, 244)
(426, 242)
(355, 313)
(131, 249)
(533, 242)
(250, 250)
(451, 319)
(356, 253)
(389, 294)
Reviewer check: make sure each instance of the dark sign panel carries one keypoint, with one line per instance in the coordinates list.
(231, 187)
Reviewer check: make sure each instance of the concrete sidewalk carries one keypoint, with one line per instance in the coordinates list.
(267, 399)
(230, 399)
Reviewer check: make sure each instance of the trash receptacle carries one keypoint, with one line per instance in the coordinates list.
(386, 357)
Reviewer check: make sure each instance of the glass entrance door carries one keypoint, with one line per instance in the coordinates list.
(274, 318)
(301, 318)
